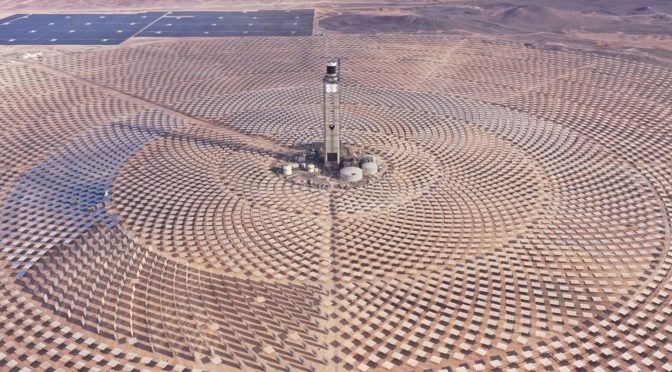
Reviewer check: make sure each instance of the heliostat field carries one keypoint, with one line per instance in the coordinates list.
(523, 220)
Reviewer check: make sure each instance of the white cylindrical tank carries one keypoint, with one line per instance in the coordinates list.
(287, 169)
(351, 174)
(369, 168)
(311, 168)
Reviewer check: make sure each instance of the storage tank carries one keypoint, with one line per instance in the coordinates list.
(351, 174)
(369, 168)
(287, 169)
(311, 168)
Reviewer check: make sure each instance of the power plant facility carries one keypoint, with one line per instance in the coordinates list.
(386, 186)
(329, 163)
(332, 113)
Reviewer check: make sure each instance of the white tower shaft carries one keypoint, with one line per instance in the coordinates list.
(332, 115)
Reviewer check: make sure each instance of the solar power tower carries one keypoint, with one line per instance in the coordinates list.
(332, 114)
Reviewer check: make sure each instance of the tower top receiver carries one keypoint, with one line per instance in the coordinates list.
(332, 68)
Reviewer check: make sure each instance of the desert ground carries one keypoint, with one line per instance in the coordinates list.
(523, 221)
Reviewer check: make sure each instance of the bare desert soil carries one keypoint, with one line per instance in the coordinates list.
(613, 26)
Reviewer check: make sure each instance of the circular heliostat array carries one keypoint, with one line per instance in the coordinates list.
(521, 220)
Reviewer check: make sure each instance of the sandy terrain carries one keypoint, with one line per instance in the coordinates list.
(620, 41)
(540, 23)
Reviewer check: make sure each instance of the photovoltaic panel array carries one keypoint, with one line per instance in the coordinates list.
(73, 29)
(244, 23)
(112, 29)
